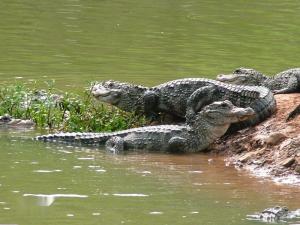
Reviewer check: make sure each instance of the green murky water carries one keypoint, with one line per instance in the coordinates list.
(75, 41)
(147, 42)
(56, 184)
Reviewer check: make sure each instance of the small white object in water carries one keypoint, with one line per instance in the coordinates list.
(47, 200)
(196, 171)
(156, 213)
(77, 167)
(86, 158)
(92, 166)
(101, 170)
(145, 172)
(46, 171)
(130, 195)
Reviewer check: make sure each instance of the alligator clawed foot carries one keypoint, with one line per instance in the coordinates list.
(115, 144)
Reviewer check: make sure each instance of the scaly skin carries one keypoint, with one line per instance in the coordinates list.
(208, 125)
(285, 82)
(275, 214)
(177, 97)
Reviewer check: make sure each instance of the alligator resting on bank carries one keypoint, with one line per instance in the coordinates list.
(208, 125)
(8, 121)
(275, 214)
(177, 97)
(287, 81)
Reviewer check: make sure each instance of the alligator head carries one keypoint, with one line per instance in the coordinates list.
(214, 119)
(5, 119)
(275, 214)
(224, 112)
(243, 76)
(122, 95)
(8, 121)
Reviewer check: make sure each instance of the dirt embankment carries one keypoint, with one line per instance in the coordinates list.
(270, 149)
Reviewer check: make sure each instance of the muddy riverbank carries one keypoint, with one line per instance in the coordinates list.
(270, 149)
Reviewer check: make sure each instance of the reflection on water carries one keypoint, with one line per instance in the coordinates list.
(133, 188)
(46, 171)
(47, 200)
(130, 195)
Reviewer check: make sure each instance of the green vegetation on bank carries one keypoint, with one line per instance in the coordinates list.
(57, 110)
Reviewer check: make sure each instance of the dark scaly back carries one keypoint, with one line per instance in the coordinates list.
(174, 96)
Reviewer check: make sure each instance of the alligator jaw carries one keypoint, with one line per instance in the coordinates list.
(226, 78)
(243, 113)
(110, 96)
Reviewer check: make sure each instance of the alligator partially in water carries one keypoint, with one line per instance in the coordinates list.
(287, 81)
(208, 125)
(8, 121)
(275, 214)
(179, 96)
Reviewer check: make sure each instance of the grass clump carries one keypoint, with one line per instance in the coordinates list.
(57, 110)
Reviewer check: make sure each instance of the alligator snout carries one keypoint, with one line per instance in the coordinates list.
(100, 91)
(243, 113)
(225, 78)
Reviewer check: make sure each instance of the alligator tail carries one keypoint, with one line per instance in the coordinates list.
(81, 138)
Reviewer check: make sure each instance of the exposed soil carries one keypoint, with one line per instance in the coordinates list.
(270, 149)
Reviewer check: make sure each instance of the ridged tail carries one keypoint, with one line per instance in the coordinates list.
(77, 138)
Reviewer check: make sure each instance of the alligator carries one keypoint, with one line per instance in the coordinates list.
(287, 81)
(176, 97)
(8, 121)
(208, 125)
(275, 214)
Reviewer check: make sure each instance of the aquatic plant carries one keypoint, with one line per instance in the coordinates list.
(57, 110)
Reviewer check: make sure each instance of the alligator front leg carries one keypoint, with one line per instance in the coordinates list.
(115, 144)
(200, 98)
(150, 104)
(177, 144)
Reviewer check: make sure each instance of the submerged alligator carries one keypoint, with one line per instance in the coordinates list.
(178, 97)
(287, 81)
(8, 121)
(275, 214)
(208, 125)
